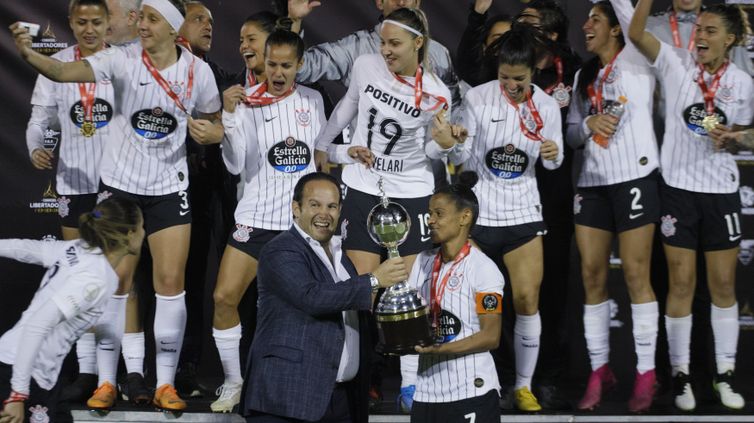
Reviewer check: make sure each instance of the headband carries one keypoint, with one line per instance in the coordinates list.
(404, 26)
(167, 10)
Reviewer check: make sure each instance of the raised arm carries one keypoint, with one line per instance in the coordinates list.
(79, 71)
(644, 41)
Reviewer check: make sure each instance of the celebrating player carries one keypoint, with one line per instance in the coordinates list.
(72, 296)
(157, 86)
(708, 96)
(457, 380)
(270, 131)
(511, 123)
(617, 194)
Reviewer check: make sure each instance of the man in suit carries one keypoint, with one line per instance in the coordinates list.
(309, 357)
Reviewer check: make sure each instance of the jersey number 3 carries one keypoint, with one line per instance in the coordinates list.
(389, 128)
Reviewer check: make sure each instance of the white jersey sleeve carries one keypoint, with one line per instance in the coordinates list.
(31, 251)
(234, 142)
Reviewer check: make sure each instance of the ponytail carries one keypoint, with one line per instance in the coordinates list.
(107, 226)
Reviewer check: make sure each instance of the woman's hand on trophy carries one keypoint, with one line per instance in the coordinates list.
(390, 272)
(362, 154)
(432, 349)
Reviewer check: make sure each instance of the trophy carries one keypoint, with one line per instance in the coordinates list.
(402, 316)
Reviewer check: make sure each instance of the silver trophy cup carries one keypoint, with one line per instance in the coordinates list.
(402, 315)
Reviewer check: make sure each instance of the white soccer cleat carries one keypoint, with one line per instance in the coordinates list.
(724, 389)
(229, 396)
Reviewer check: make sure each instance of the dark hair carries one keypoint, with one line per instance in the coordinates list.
(462, 195)
(552, 18)
(265, 20)
(285, 37)
(108, 224)
(735, 20)
(298, 190)
(591, 67)
(417, 20)
(494, 21)
(519, 46)
(77, 3)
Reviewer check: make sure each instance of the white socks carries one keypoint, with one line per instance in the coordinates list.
(228, 342)
(409, 368)
(526, 334)
(169, 325)
(86, 351)
(109, 332)
(645, 318)
(133, 352)
(725, 329)
(597, 333)
(679, 341)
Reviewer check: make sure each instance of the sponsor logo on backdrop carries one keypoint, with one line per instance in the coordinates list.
(615, 262)
(48, 203)
(747, 200)
(614, 322)
(51, 139)
(744, 158)
(746, 317)
(49, 238)
(48, 44)
(746, 252)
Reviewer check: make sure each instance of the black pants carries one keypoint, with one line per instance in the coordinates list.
(338, 410)
(41, 402)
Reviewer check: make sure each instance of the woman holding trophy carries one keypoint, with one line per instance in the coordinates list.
(511, 123)
(401, 107)
(465, 290)
(700, 203)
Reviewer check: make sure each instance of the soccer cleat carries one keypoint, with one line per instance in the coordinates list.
(683, 392)
(229, 396)
(167, 399)
(406, 398)
(103, 398)
(723, 385)
(600, 381)
(551, 398)
(81, 389)
(135, 390)
(644, 392)
(525, 400)
(186, 382)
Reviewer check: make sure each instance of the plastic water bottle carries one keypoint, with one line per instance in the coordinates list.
(615, 109)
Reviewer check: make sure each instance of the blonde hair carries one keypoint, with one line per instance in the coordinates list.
(417, 20)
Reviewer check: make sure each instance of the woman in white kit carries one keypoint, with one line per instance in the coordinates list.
(73, 294)
(456, 379)
(701, 206)
(158, 85)
(616, 195)
(511, 124)
(270, 129)
(402, 108)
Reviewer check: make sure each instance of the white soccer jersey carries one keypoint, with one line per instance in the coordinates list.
(79, 156)
(632, 150)
(503, 157)
(78, 280)
(146, 152)
(446, 378)
(689, 158)
(272, 147)
(391, 126)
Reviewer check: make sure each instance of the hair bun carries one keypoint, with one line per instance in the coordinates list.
(468, 178)
(284, 23)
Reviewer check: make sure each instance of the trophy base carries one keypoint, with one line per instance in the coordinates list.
(399, 333)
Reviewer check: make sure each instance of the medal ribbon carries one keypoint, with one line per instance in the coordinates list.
(437, 292)
(532, 135)
(559, 69)
(250, 78)
(419, 91)
(164, 84)
(86, 91)
(709, 93)
(256, 98)
(677, 34)
(595, 96)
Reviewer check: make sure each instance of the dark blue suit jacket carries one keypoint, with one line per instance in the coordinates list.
(294, 358)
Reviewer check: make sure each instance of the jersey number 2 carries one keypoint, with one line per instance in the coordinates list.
(393, 136)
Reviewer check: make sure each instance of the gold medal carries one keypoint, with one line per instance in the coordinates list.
(88, 129)
(710, 122)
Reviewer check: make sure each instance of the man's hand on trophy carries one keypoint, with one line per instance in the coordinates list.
(362, 154)
(390, 272)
